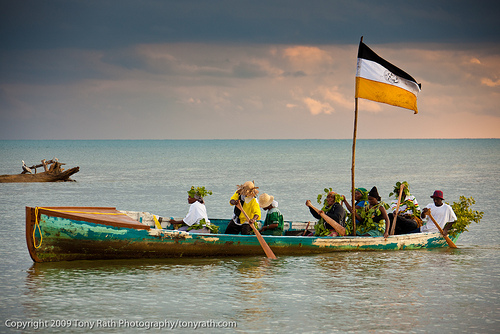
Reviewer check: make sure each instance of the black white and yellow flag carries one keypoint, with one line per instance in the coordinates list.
(380, 81)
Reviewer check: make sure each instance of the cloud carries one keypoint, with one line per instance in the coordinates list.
(317, 107)
(306, 59)
(490, 83)
(475, 61)
(160, 90)
(369, 106)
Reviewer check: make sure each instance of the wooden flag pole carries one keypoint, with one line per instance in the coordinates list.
(353, 188)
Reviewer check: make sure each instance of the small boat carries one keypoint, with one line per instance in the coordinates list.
(54, 173)
(98, 233)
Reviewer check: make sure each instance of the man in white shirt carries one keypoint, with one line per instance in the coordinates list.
(442, 213)
(197, 215)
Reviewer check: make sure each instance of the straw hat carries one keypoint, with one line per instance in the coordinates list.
(265, 200)
(248, 189)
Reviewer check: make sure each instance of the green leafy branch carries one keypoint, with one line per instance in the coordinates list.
(405, 201)
(200, 191)
(465, 215)
(201, 224)
(367, 223)
(338, 198)
(406, 189)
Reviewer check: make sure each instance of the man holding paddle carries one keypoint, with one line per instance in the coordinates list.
(332, 215)
(441, 212)
(244, 198)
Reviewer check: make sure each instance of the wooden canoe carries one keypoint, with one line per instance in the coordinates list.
(95, 233)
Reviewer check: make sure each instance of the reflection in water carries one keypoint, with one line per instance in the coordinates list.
(83, 288)
(251, 288)
(351, 291)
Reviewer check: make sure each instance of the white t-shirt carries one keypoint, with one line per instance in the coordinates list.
(403, 208)
(442, 214)
(197, 212)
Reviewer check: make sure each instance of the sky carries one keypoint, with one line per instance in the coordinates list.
(229, 69)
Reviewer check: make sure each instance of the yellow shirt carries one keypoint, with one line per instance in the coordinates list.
(252, 208)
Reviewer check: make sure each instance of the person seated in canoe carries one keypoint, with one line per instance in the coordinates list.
(196, 220)
(245, 195)
(361, 198)
(373, 219)
(274, 223)
(409, 212)
(442, 213)
(331, 216)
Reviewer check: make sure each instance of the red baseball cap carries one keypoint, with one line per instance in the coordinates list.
(438, 194)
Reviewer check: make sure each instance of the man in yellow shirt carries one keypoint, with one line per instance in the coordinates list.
(245, 194)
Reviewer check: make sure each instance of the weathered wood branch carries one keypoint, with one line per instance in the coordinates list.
(55, 173)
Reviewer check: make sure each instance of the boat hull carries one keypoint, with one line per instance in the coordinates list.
(54, 236)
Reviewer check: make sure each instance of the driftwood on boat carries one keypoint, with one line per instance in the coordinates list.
(53, 173)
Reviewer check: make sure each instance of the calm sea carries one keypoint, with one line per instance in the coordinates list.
(445, 291)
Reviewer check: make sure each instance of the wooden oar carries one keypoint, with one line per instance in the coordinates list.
(447, 238)
(336, 226)
(262, 242)
(393, 227)
(305, 231)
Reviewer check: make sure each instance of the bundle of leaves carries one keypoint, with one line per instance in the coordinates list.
(367, 223)
(406, 189)
(201, 224)
(465, 215)
(200, 191)
(338, 198)
(405, 200)
(320, 230)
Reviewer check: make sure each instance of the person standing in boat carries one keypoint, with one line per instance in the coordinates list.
(373, 219)
(332, 209)
(245, 195)
(440, 211)
(409, 211)
(196, 220)
(273, 224)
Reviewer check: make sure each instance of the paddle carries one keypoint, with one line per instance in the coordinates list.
(393, 227)
(447, 238)
(262, 242)
(336, 226)
(305, 231)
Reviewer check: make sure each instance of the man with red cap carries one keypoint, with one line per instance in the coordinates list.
(442, 213)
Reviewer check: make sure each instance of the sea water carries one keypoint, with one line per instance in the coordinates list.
(440, 290)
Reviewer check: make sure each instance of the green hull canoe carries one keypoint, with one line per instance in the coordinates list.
(95, 233)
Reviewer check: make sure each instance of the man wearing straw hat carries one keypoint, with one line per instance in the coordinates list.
(273, 224)
(245, 194)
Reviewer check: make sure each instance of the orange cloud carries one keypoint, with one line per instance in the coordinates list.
(490, 83)
(317, 107)
(307, 58)
(474, 61)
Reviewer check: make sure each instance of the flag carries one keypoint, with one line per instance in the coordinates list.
(380, 81)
